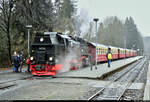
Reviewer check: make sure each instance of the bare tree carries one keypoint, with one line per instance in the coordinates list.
(6, 7)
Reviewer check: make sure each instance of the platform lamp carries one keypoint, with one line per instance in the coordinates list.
(96, 20)
(28, 27)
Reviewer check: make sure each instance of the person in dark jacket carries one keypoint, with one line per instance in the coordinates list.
(21, 57)
(109, 56)
(15, 61)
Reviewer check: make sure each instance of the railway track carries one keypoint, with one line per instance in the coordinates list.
(11, 83)
(107, 93)
(137, 77)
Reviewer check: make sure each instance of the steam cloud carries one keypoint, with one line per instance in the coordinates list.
(85, 21)
(65, 61)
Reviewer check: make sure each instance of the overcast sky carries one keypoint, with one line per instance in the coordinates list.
(138, 9)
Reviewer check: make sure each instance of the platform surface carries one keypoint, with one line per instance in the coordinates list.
(101, 69)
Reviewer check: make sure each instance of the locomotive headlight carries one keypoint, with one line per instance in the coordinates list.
(41, 39)
(50, 58)
(31, 58)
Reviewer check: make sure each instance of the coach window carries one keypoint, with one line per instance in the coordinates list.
(99, 51)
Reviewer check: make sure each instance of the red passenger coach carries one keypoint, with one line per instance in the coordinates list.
(114, 51)
(92, 51)
(101, 52)
(135, 53)
(127, 53)
(121, 53)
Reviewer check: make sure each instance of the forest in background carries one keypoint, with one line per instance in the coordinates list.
(115, 32)
(58, 16)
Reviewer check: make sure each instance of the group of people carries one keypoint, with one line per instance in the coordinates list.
(17, 61)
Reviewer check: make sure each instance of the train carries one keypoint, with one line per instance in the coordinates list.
(51, 52)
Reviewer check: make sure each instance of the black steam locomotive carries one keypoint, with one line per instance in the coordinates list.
(54, 51)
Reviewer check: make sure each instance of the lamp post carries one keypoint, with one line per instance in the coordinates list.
(28, 27)
(96, 20)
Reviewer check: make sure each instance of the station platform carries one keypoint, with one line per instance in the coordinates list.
(147, 86)
(101, 70)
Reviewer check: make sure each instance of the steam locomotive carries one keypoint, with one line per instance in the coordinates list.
(52, 51)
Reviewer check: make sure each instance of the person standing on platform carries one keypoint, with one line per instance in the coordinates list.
(15, 62)
(21, 60)
(109, 56)
(18, 63)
